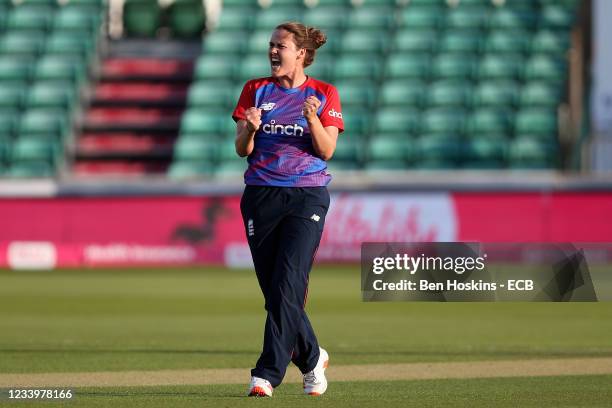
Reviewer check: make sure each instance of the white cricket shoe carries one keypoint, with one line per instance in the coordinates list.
(260, 387)
(315, 382)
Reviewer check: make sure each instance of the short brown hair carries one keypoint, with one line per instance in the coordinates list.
(309, 38)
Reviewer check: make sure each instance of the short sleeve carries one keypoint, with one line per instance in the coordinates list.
(331, 115)
(246, 100)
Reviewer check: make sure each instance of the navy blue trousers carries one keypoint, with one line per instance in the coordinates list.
(284, 227)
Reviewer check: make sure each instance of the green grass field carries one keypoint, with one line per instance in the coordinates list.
(119, 320)
(583, 391)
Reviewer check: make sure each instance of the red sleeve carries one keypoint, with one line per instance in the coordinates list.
(331, 115)
(246, 100)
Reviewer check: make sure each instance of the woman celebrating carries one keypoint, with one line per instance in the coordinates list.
(287, 125)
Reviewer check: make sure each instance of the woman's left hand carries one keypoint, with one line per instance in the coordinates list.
(310, 107)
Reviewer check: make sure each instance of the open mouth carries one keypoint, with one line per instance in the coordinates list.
(275, 63)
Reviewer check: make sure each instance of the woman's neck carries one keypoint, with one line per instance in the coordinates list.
(292, 81)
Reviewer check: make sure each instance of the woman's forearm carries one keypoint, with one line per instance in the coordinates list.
(323, 139)
(245, 139)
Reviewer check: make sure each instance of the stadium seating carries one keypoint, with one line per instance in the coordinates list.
(46, 51)
(146, 18)
(490, 121)
(186, 18)
(234, 19)
(390, 148)
(460, 41)
(425, 84)
(141, 18)
(402, 93)
(267, 19)
(496, 93)
(357, 93)
(540, 93)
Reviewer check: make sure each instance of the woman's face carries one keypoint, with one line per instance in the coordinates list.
(284, 54)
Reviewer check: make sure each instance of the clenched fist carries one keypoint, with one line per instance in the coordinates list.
(310, 107)
(253, 118)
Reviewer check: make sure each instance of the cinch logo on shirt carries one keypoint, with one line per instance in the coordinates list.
(268, 106)
(290, 130)
(335, 114)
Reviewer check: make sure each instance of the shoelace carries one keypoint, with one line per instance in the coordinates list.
(311, 378)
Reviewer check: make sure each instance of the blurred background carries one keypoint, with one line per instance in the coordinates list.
(472, 120)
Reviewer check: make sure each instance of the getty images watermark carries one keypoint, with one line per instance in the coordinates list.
(462, 271)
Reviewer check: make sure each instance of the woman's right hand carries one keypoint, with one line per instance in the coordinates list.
(253, 118)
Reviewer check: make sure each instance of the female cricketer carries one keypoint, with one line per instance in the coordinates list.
(287, 125)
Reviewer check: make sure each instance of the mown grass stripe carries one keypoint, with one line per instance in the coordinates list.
(369, 372)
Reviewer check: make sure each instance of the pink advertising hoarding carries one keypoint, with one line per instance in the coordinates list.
(74, 231)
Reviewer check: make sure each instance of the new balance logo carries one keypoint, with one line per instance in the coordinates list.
(315, 217)
(335, 114)
(267, 106)
(250, 228)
